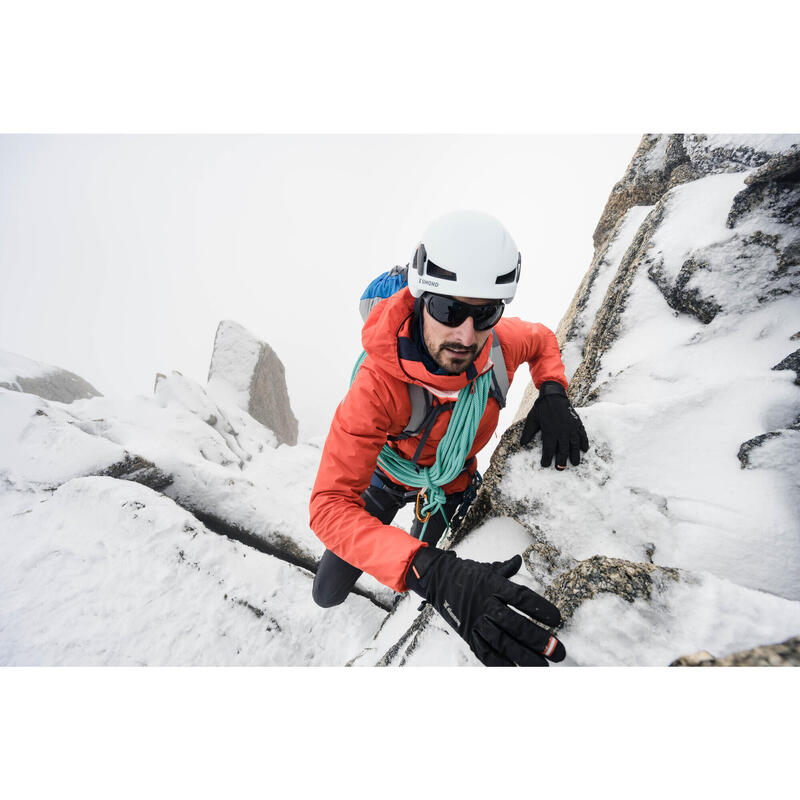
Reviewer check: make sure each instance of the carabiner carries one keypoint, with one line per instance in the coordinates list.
(422, 493)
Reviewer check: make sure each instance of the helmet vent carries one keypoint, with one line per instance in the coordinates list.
(508, 277)
(437, 272)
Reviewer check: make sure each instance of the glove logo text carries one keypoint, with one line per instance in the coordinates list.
(451, 613)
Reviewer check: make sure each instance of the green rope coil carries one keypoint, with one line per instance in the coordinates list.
(451, 454)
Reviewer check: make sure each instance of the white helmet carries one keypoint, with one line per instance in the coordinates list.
(466, 254)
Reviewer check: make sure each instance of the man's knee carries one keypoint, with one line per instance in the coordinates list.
(324, 596)
(333, 581)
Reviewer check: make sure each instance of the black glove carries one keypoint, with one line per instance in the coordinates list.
(504, 568)
(507, 568)
(562, 430)
(475, 600)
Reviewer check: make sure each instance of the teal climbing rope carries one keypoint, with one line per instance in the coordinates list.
(451, 454)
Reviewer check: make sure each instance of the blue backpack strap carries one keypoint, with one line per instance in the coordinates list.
(385, 285)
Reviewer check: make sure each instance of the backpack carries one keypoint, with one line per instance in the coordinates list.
(425, 409)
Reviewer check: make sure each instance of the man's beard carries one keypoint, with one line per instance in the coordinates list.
(443, 357)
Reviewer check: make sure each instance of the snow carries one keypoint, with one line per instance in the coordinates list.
(656, 155)
(772, 143)
(702, 613)
(700, 391)
(572, 354)
(109, 572)
(13, 366)
(719, 152)
(695, 218)
(222, 462)
(663, 464)
(41, 445)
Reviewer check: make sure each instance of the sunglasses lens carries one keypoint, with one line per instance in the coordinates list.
(446, 310)
(452, 312)
(486, 316)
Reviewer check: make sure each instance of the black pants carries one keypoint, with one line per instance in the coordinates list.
(335, 577)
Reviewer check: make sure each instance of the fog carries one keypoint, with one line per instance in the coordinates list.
(119, 255)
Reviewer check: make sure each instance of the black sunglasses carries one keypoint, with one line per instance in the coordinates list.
(451, 312)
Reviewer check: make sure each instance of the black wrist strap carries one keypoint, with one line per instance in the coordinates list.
(418, 571)
(552, 387)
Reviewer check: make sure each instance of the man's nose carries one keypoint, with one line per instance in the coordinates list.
(464, 334)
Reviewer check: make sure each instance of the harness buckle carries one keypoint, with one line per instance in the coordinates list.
(422, 493)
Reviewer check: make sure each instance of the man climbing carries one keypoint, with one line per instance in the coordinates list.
(424, 400)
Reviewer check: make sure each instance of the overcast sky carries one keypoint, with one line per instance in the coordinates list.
(119, 255)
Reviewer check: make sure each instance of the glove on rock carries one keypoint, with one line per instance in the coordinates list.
(507, 568)
(476, 600)
(562, 430)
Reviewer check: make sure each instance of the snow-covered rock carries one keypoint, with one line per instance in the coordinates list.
(663, 161)
(784, 654)
(43, 445)
(202, 460)
(680, 530)
(124, 528)
(224, 466)
(247, 373)
(51, 383)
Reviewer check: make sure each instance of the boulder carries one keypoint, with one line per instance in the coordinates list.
(20, 374)
(248, 373)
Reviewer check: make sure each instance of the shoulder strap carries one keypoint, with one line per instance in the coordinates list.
(420, 405)
(499, 373)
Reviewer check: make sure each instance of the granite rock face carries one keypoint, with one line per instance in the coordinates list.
(248, 372)
(626, 579)
(660, 162)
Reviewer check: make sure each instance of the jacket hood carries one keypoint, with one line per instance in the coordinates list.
(386, 338)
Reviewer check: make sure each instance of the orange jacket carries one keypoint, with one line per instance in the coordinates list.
(378, 405)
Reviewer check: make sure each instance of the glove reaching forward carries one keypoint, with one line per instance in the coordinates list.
(486, 609)
(562, 430)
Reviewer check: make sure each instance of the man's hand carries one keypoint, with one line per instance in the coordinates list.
(507, 568)
(562, 430)
(487, 610)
